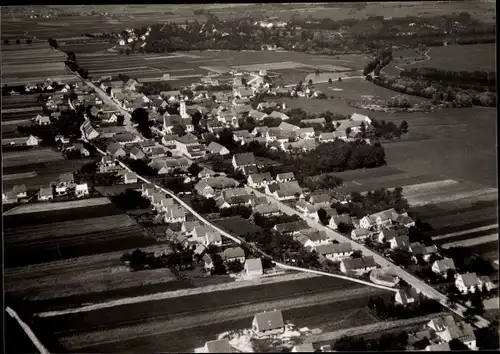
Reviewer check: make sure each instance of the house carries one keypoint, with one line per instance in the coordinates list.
(241, 135)
(216, 148)
(234, 254)
(66, 179)
(206, 173)
(218, 346)
(406, 296)
(174, 214)
(470, 282)
(260, 180)
(356, 117)
(188, 227)
(243, 93)
(421, 251)
(136, 153)
(276, 114)
(147, 190)
(45, 194)
(208, 262)
(166, 203)
(402, 242)
(330, 213)
(268, 323)
(320, 200)
(88, 130)
(208, 187)
(335, 252)
(326, 137)
(441, 347)
(33, 141)
(442, 266)
(359, 265)
(379, 220)
(335, 221)
(305, 133)
(386, 235)
(42, 120)
(258, 116)
(285, 190)
(403, 220)
(285, 177)
(291, 228)
(318, 121)
(447, 329)
(116, 150)
(203, 234)
(253, 267)
(288, 127)
(360, 234)
(243, 160)
(233, 197)
(213, 238)
(130, 177)
(267, 210)
(260, 131)
(81, 190)
(303, 348)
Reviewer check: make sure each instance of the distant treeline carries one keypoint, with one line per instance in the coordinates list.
(462, 79)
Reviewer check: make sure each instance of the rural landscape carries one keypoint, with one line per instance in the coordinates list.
(250, 177)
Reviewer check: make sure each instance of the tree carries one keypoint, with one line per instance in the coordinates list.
(29, 41)
(178, 130)
(5, 41)
(234, 266)
(194, 169)
(357, 254)
(127, 51)
(344, 228)
(323, 216)
(310, 82)
(456, 344)
(340, 79)
(403, 127)
(330, 80)
(120, 120)
(18, 41)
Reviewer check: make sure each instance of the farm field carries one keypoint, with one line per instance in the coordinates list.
(47, 172)
(470, 57)
(45, 236)
(96, 330)
(13, 159)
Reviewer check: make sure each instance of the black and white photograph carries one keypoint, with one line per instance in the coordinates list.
(250, 177)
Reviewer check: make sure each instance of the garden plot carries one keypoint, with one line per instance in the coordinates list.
(25, 157)
(42, 207)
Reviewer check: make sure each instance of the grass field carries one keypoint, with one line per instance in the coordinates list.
(51, 207)
(32, 156)
(465, 58)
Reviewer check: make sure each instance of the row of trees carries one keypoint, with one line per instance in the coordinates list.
(476, 78)
(18, 41)
(391, 310)
(139, 260)
(454, 96)
(386, 342)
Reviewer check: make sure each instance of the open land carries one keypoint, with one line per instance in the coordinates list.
(46, 236)
(209, 314)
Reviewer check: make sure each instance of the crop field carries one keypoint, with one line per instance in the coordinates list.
(87, 227)
(338, 106)
(465, 57)
(237, 225)
(32, 156)
(207, 315)
(47, 172)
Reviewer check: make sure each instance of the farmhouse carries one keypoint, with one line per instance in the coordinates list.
(208, 187)
(312, 121)
(334, 252)
(401, 242)
(470, 283)
(291, 228)
(420, 251)
(447, 329)
(285, 190)
(360, 118)
(234, 254)
(174, 214)
(260, 180)
(188, 227)
(285, 177)
(253, 267)
(267, 210)
(116, 150)
(42, 120)
(359, 265)
(268, 323)
(386, 235)
(406, 296)
(212, 238)
(360, 234)
(335, 221)
(88, 130)
(130, 177)
(45, 194)
(243, 160)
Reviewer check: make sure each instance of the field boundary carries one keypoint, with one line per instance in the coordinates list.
(36, 342)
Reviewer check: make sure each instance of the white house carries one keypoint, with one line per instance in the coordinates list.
(285, 177)
(360, 234)
(175, 214)
(130, 177)
(442, 266)
(359, 265)
(213, 238)
(253, 267)
(470, 283)
(447, 329)
(406, 296)
(268, 323)
(260, 180)
(335, 221)
(335, 252)
(234, 254)
(81, 190)
(33, 141)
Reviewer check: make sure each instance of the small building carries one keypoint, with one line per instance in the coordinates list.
(359, 265)
(334, 252)
(406, 296)
(45, 194)
(243, 160)
(268, 323)
(253, 267)
(130, 177)
(260, 180)
(303, 348)
(81, 190)
(360, 234)
(470, 283)
(218, 346)
(442, 266)
(285, 177)
(234, 254)
(218, 149)
(267, 210)
(175, 214)
(189, 226)
(335, 221)
(19, 191)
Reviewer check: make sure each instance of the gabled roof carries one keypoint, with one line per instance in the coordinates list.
(253, 264)
(188, 139)
(334, 248)
(266, 209)
(359, 263)
(444, 264)
(261, 177)
(269, 320)
(234, 252)
(469, 279)
(215, 147)
(245, 159)
(286, 175)
(288, 126)
(361, 232)
(218, 346)
(291, 226)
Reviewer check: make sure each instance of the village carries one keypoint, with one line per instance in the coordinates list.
(198, 144)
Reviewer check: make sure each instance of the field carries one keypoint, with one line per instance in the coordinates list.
(209, 314)
(50, 235)
(12, 159)
(465, 57)
(237, 225)
(48, 168)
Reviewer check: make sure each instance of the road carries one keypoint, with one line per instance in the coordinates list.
(418, 284)
(326, 300)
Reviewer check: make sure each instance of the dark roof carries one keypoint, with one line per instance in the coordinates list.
(269, 320)
(244, 159)
(218, 346)
(359, 263)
